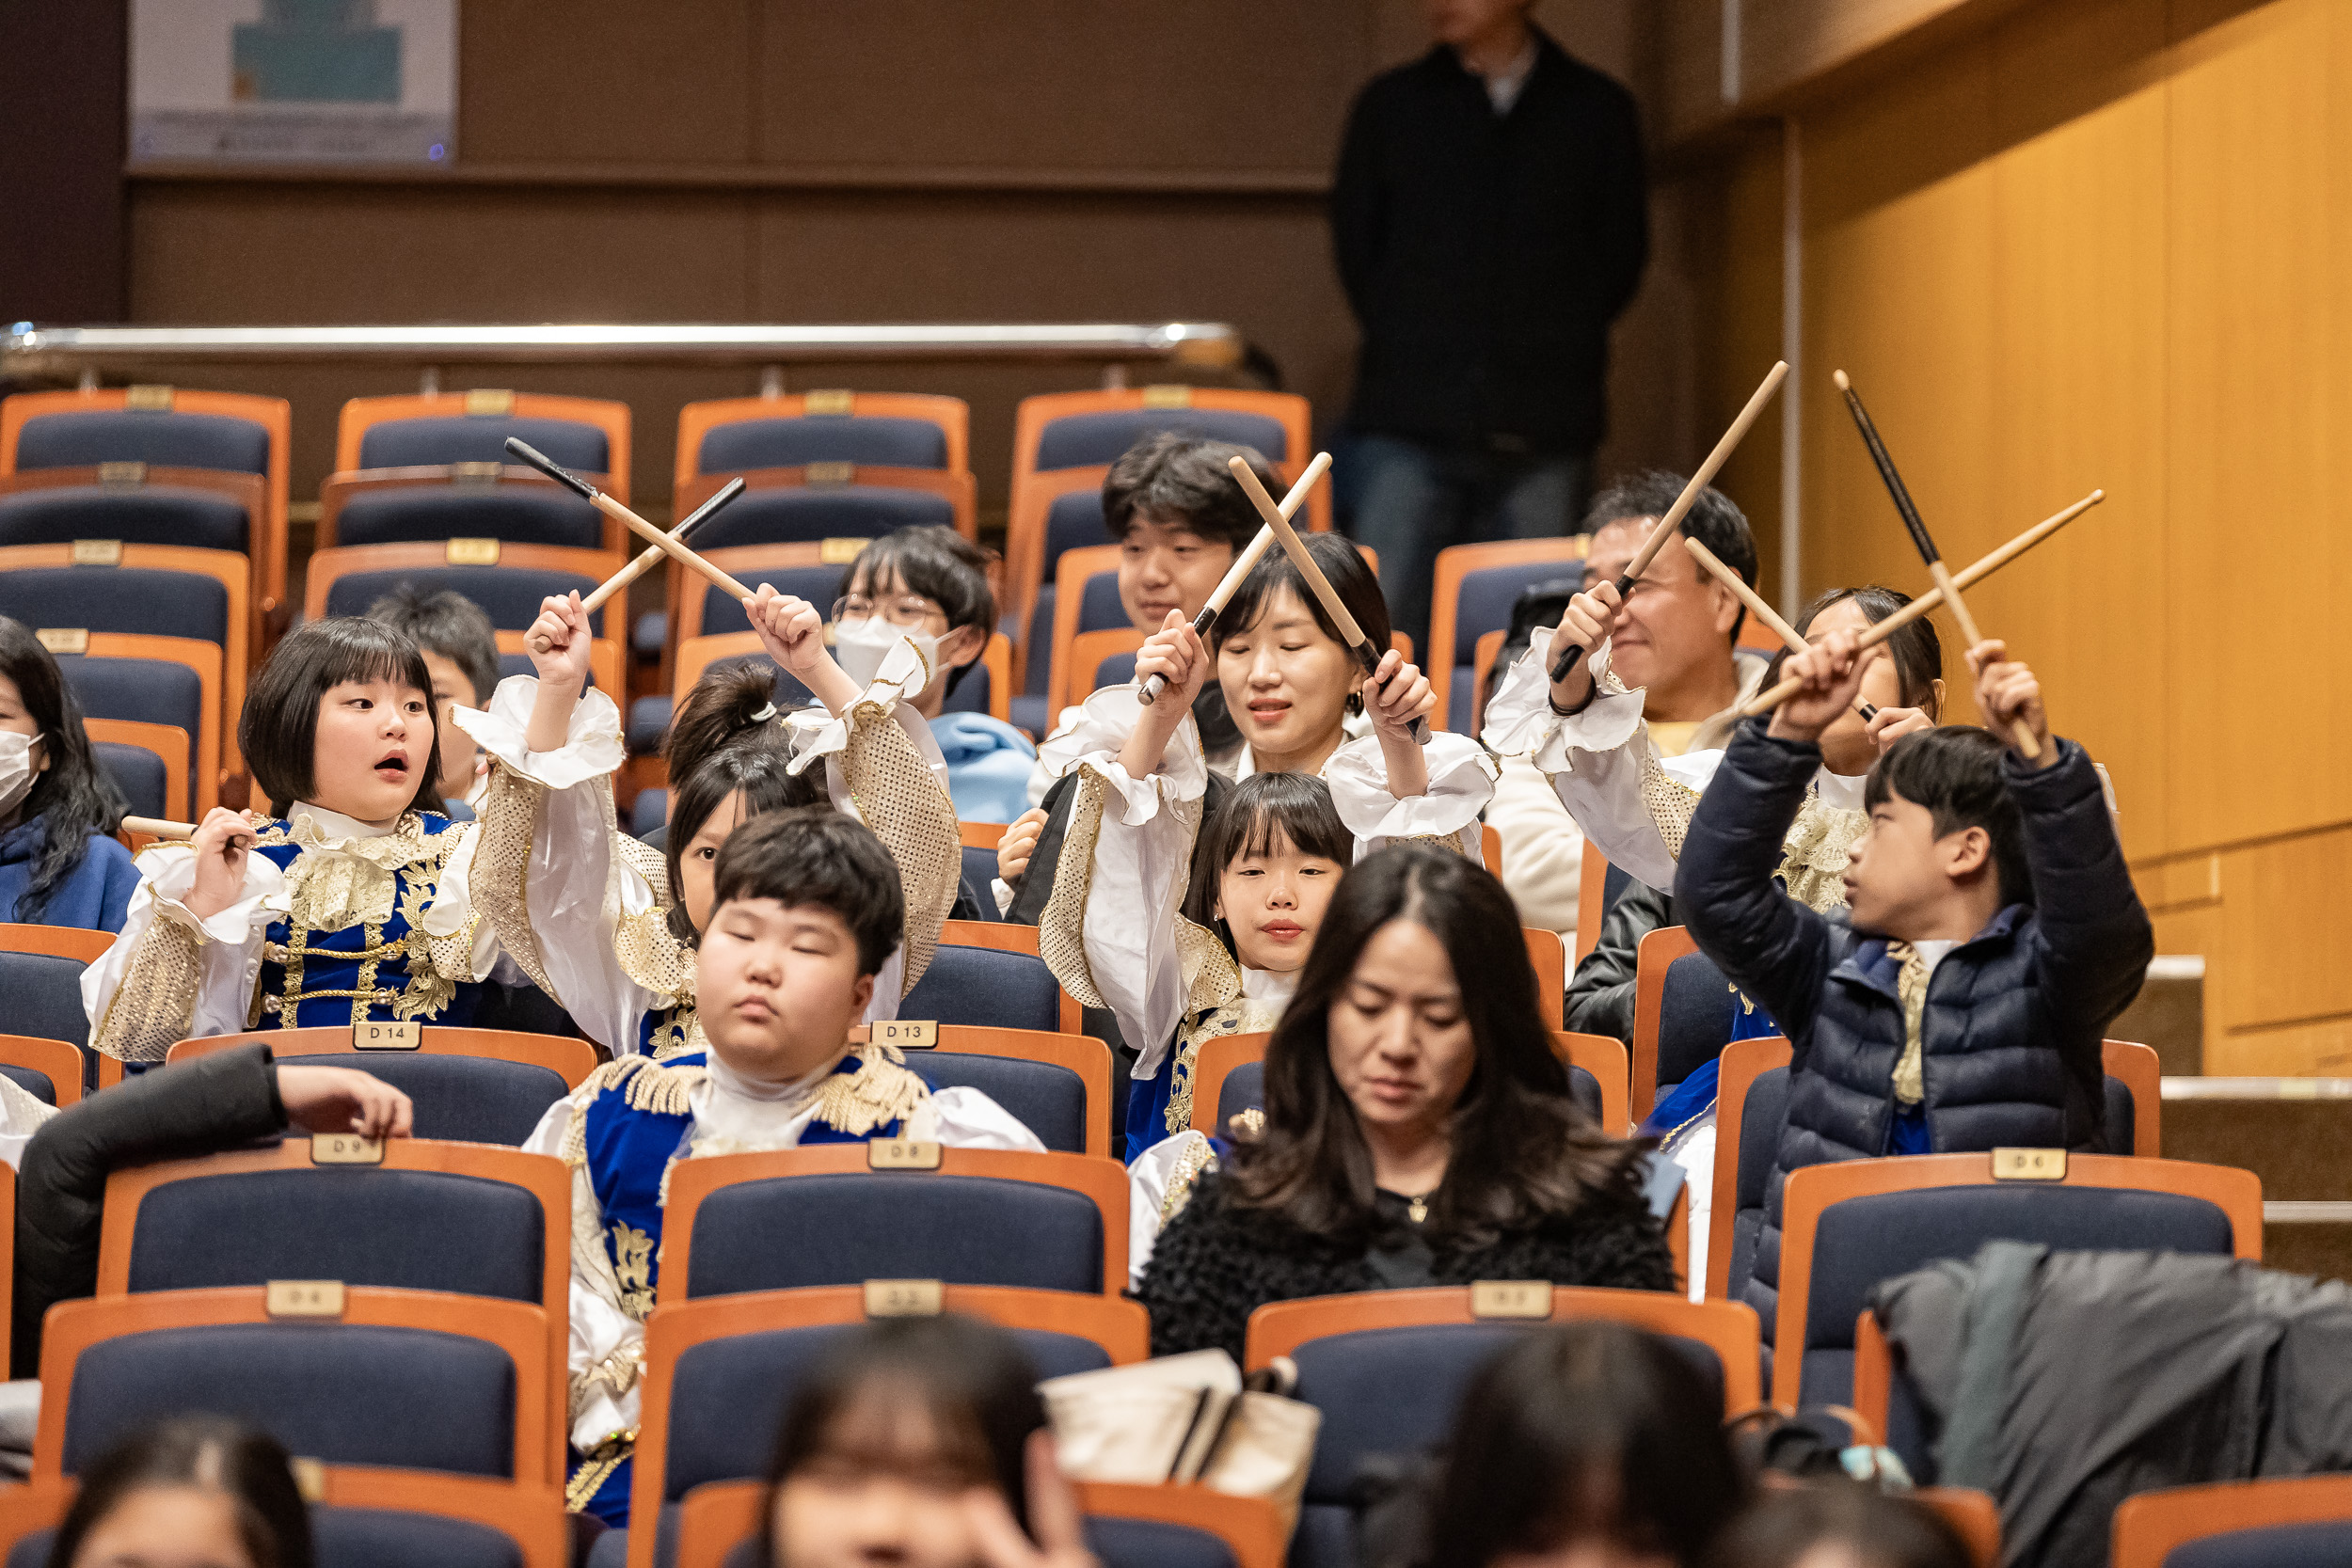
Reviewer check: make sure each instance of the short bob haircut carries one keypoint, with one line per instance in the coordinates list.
(970, 1378)
(1788, 1524)
(811, 856)
(1584, 1432)
(279, 730)
(758, 766)
(1343, 565)
(1183, 482)
(1256, 817)
(211, 1454)
(940, 564)
(1714, 520)
(1955, 772)
(75, 797)
(1917, 652)
(1524, 1152)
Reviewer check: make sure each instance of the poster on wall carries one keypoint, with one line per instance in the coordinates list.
(293, 81)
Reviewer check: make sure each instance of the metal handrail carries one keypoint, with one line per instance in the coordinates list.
(30, 348)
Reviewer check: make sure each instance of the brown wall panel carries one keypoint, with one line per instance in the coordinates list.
(608, 81)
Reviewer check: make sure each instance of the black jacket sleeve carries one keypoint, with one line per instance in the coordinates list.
(1765, 943)
(180, 1113)
(1600, 993)
(2095, 937)
(1358, 204)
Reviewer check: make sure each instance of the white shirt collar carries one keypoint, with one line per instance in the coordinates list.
(728, 1081)
(1504, 86)
(334, 824)
(1264, 985)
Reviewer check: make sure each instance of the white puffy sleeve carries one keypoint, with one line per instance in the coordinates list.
(548, 875)
(1461, 782)
(1110, 930)
(1632, 804)
(21, 1117)
(964, 1117)
(1159, 1181)
(171, 975)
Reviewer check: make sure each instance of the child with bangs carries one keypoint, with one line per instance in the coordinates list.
(349, 902)
(607, 925)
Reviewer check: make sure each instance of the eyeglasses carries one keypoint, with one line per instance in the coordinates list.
(908, 611)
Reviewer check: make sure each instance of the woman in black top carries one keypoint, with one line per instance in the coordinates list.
(1419, 1129)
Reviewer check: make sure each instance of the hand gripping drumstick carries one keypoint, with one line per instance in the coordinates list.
(1284, 535)
(1765, 702)
(1565, 664)
(1927, 552)
(611, 508)
(646, 561)
(1243, 563)
(1762, 612)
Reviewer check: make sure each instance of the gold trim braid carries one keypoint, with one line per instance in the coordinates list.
(902, 800)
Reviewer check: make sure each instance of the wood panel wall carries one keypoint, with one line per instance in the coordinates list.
(2100, 243)
(754, 160)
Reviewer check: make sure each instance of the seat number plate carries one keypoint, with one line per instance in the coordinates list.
(304, 1298)
(406, 1035)
(904, 1298)
(346, 1149)
(2029, 1165)
(901, 1154)
(1511, 1298)
(908, 1034)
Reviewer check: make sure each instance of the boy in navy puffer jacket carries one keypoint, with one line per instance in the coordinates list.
(1993, 932)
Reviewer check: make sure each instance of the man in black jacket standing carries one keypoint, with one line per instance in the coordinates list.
(1490, 219)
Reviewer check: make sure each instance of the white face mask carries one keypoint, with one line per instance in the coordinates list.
(16, 768)
(860, 646)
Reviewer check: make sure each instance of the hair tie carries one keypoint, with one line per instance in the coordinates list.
(764, 714)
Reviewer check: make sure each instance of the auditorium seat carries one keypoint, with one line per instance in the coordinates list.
(1230, 1078)
(151, 764)
(41, 974)
(48, 1069)
(434, 502)
(2282, 1522)
(1848, 1225)
(731, 436)
(831, 500)
(407, 1379)
(467, 1086)
(1475, 589)
(507, 581)
(720, 1373)
(588, 436)
(1085, 598)
(1681, 1014)
(988, 973)
(824, 1214)
(1388, 1369)
(167, 682)
(1057, 1086)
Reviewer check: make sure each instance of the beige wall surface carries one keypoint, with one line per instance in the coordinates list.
(2100, 242)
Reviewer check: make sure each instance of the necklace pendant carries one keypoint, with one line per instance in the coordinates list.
(1416, 1209)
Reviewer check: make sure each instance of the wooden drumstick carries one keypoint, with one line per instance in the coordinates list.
(651, 558)
(1765, 702)
(1917, 527)
(611, 508)
(1762, 612)
(157, 827)
(1284, 535)
(1243, 565)
(1565, 664)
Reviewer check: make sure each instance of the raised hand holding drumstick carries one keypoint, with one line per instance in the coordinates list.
(2011, 700)
(793, 632)
(559, 640)
(1179, 661)
(1829, 675)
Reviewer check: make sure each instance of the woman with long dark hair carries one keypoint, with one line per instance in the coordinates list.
(197, 1490)
(1419, 1129)
(59, 862)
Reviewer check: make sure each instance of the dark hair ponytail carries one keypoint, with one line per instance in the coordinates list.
(74, 797)
(731, 701)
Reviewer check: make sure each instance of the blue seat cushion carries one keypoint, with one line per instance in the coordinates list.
(885, 439)
(142, 599)
(2269, 1546)
(384, 1538)
(1694, 1017)
(166, 439)
(1154, 1543)
(32, 1549)
(509, 596)
(1760, 1118)
(139, 773)
(32, 1081)
(839, 1230)
(1073, 520)
(1484, 601)
(1029, 713)
(138, 515)
(518, 514)
(980, 985)
(722, 612)
(1866, 1240)
(648, 719)
(407, 1229)
(804, 515)
(1100, 609)
(1461, 695)
(481, 439)
(472, 1099)
(1077, 440)
(342, 1393)
(44, 996)
(141, 690)
(1048, 1100)
(650, 810)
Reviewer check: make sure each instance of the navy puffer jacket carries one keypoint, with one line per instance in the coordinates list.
(2015, 1016)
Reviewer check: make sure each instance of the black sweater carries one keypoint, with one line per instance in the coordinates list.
(1216, 1263)
(197, 1108)
(1486, 255)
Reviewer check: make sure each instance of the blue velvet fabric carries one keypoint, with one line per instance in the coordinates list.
(335, 960)
(141, 514)
(472, 1100)
(722, 612)
(1073, 520)
(1483, 604)
(883, 439)
(144, 690)
(158, 436)
(95, 897)
(2270, 1546)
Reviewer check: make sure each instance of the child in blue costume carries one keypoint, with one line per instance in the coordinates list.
(350, 905)
(59, 862)
(930, 586)
(607, 925)
(805, 910)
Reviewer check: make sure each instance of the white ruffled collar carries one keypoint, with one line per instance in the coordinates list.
(734, 1085)
(335, 827)
(1264, 985)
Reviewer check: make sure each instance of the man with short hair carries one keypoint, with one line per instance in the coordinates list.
(1490, 217)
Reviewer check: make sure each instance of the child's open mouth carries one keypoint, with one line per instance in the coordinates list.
(392, 769)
